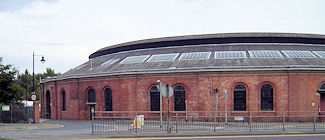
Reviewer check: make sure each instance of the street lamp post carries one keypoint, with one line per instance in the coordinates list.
(160, 98)
(42, 60)
(226, 112)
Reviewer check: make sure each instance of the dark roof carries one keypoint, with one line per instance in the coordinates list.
(224, 38)
(110, 64)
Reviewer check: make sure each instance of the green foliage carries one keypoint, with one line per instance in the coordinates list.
(10, 91)
(26, 81)
(14, 88)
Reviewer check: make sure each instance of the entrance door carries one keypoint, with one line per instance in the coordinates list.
(48, 105)
(322, 103)
(321, 91)
(92, 108)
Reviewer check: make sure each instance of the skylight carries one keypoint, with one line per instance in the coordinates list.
(265, 54)
(321, 54)
(163, 57)
(299, 54)
(195, 56)
(229, 54)
(109, 62)
(135, 59)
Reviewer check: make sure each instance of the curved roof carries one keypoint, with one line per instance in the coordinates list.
(221, 38)
(205, 53)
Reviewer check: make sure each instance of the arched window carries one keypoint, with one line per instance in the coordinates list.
(63, 101)
(180, 98)
(266, 97)
(322, 87)
(91, 96)
(154, 99)
(108, 100)
(239, 98)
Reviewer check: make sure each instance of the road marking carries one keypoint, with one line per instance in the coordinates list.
(209, 137)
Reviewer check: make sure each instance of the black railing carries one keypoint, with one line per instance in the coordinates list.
(201, 121)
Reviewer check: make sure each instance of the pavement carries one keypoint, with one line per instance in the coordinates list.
(77, 129)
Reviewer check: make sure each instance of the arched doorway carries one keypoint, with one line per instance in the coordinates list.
(321, 91)
(48, 105)
(91, 101)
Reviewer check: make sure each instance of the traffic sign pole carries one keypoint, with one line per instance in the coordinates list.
(168, 117)
(160, 87)
(186, 118)
(226, 113)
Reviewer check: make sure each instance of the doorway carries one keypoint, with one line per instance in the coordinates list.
(321, 92)
(92, 108)
(48, 105)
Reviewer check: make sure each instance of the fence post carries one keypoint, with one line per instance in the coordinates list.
(283, 121)
(250, 122)
(315, 121)
(11, 108)
(92, 122)
(214, 122)
(176, 122)
(136, 122)
(36, 112)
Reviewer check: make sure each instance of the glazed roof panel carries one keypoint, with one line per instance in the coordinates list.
(299, 54)
(163, 57)
(265, 54)
(109, 62)
(195, 56)
(229, 54)
(321, 54)
(135, 59)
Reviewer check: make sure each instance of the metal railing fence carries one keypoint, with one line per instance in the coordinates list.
(17, 114)
(204, 121)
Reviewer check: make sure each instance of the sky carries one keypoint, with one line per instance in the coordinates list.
(66, 32)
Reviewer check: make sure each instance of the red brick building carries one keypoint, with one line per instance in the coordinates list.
(265, 72)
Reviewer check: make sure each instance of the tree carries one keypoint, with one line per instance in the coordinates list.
(26, 81)
(49, 72)
(10, 91)
(14, 89)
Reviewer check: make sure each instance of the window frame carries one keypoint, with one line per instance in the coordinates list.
(88, 97)
(237, 91)
(267, 99)
(154, 106)
(108, 99)
(63, 100)
(181, 105)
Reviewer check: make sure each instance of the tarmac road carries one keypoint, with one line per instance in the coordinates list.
(57, 129)
(47, 130)
(244, 137)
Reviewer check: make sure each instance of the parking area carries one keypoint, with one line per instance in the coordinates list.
(76, 129)
(49, 129)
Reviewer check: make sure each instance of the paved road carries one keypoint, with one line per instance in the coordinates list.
(56, 129)
(65, 130)
(247, 137)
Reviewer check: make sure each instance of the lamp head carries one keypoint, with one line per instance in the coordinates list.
(42, 60)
